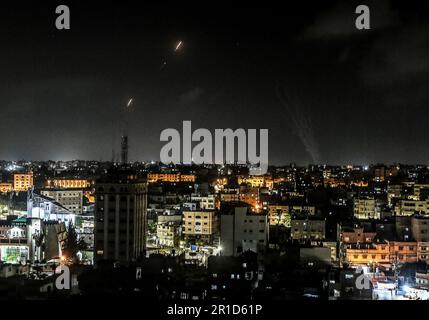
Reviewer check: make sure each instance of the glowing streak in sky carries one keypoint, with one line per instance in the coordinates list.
(178, 46)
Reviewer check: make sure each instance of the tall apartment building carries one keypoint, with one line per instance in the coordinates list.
(409, 207)
(71, 199)
(120, 217)
(23, 181)
(242, 230)
(364, 208)
(200, 225)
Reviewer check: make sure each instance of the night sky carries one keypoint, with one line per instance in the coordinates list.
(363, 95)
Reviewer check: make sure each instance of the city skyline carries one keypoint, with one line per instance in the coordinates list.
(63, 90)
(213, 158)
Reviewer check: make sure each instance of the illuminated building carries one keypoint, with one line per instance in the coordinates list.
(167, 234)
(364, 208)
(47, 209)
(47, 221)
(279, 215)
(187, 178)
(379, 173)
(382, 253)
(421, 191)
(68, 183)
(367, 254)
(230, 197)
(242, 230)
(120, 217)
(302, 209)
(205, 202)
(357, 235)
(5, 187)
(359, 183)
(253, 181)
(334, 182)
(249, 196)
(85, 231)
(170, 177)
(220, 183)
(71, 199)
(259, 181)
(22, 181)
(423, 251)
(89, 196)
(13, 241)
(199, 225)
(393, 192)
(409, 207)
(303, 229)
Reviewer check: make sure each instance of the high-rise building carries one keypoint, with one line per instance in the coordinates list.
(22, 181)
(124, 149)
(120, 217)
(200, 225)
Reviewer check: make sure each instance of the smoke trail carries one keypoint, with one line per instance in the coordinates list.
(301, 121)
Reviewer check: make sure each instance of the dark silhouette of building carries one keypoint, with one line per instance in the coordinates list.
(124, 149)
(120, 217)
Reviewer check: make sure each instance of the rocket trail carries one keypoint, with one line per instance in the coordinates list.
(302, 123)
(178, 46)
